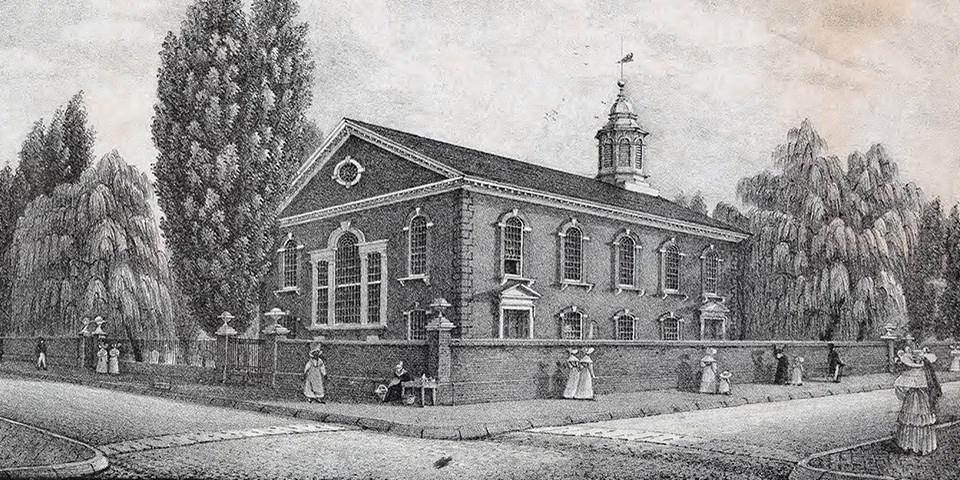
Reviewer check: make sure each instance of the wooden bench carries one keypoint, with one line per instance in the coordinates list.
(423, 385)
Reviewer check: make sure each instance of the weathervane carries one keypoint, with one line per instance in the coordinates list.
(623, 59)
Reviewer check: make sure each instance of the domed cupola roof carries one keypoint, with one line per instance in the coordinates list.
(621, 104)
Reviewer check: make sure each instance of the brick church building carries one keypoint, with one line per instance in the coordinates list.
(380, 222)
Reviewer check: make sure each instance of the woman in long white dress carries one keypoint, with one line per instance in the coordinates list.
(573, 373)
(585, 382)
(708, 372)
(114, 366)
(919, 389)
(102, 359)
(314, 373)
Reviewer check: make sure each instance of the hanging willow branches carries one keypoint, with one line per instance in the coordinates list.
(830, 244)
(92, 248)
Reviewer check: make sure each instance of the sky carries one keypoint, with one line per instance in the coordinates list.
(718, 83)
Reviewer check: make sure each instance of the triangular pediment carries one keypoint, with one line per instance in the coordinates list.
(385, 166)
(713, 307)
(519, 291)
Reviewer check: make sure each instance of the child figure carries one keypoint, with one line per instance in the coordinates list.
(797, 377)
(724, 386)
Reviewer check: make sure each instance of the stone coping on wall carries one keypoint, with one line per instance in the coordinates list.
(498, 342)
(403, 343)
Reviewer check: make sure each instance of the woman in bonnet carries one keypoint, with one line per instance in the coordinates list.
(919, 389)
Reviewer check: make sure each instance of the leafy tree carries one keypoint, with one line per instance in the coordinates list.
(923, 284)
(92, 248)
(950, 303)
(694, 202)
(227, 126)
(830, 245)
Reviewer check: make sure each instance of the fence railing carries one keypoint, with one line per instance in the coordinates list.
(167, 351)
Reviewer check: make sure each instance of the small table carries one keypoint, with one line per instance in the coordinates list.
(423, 386)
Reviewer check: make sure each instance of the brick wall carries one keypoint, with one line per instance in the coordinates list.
(60, 350)
(354, 369)
(492, 370)
(541, 263)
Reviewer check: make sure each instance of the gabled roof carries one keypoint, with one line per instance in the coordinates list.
(500, 169)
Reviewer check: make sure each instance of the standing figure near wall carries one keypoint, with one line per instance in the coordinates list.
(314, 373)
(708, 372)
(573, 373)
(834, 363)
(102, 359)
(585, 382)
(955, 353)
(394, 389)
(723, 388)
(41, 352)
(783, 365)
(686, 377)
(797, 377)
(115, 359)
(919, 389)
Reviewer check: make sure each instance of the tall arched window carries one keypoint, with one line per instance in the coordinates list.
(417, 246)
(573, 255)
(513, 246)
(606, 154)
(623, 158)
(670, 267)
(626, 262)
(350, 280)
(710, 271)
(289, 262)
(347, 280)
(671, 327)
(571, 324)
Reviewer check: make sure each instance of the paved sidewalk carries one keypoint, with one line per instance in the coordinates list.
(465, 422)
(30, 452)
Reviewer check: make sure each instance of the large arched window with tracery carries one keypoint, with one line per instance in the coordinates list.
(347, 280)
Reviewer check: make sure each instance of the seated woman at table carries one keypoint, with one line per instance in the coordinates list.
(395, 387)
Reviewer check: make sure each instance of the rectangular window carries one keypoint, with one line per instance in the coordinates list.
(418, 246)
(373, 288)
(323, 285)
(573, 255)
(625, 264)
(513, 247)
(417, 325)
(516, 323)
(290, 260)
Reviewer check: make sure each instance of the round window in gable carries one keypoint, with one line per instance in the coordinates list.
(347, 172)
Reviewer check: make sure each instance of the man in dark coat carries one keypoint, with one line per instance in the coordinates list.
(834, 363)
(783, 365)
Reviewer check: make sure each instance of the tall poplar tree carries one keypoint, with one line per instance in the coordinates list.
(924, 284)
(950, 304)
(229, 116)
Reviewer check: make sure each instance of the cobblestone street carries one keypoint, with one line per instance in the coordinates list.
(147, 437)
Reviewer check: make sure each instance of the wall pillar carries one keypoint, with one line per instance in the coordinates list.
(439, 363)
(269, 344)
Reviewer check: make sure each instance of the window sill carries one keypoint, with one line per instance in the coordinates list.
(346, 326)
(414, 278)
(673, 293)
(287, 290)
(569, 283)
(626, 288)
(713, 296)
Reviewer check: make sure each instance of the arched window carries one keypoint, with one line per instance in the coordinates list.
(513, 246)
(417, 246)
(626, 262)
(638, 154)
(623, 158)
(710, 271)
(347, 280)
(670, 267)
(573, 255)
(670, 327)
(289, 261)
(571, 324)
(606, 155)
(625, 326)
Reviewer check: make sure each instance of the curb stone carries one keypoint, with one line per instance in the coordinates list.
(58, 470)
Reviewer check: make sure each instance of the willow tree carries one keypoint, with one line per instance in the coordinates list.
(830, 243)
(92, 248)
